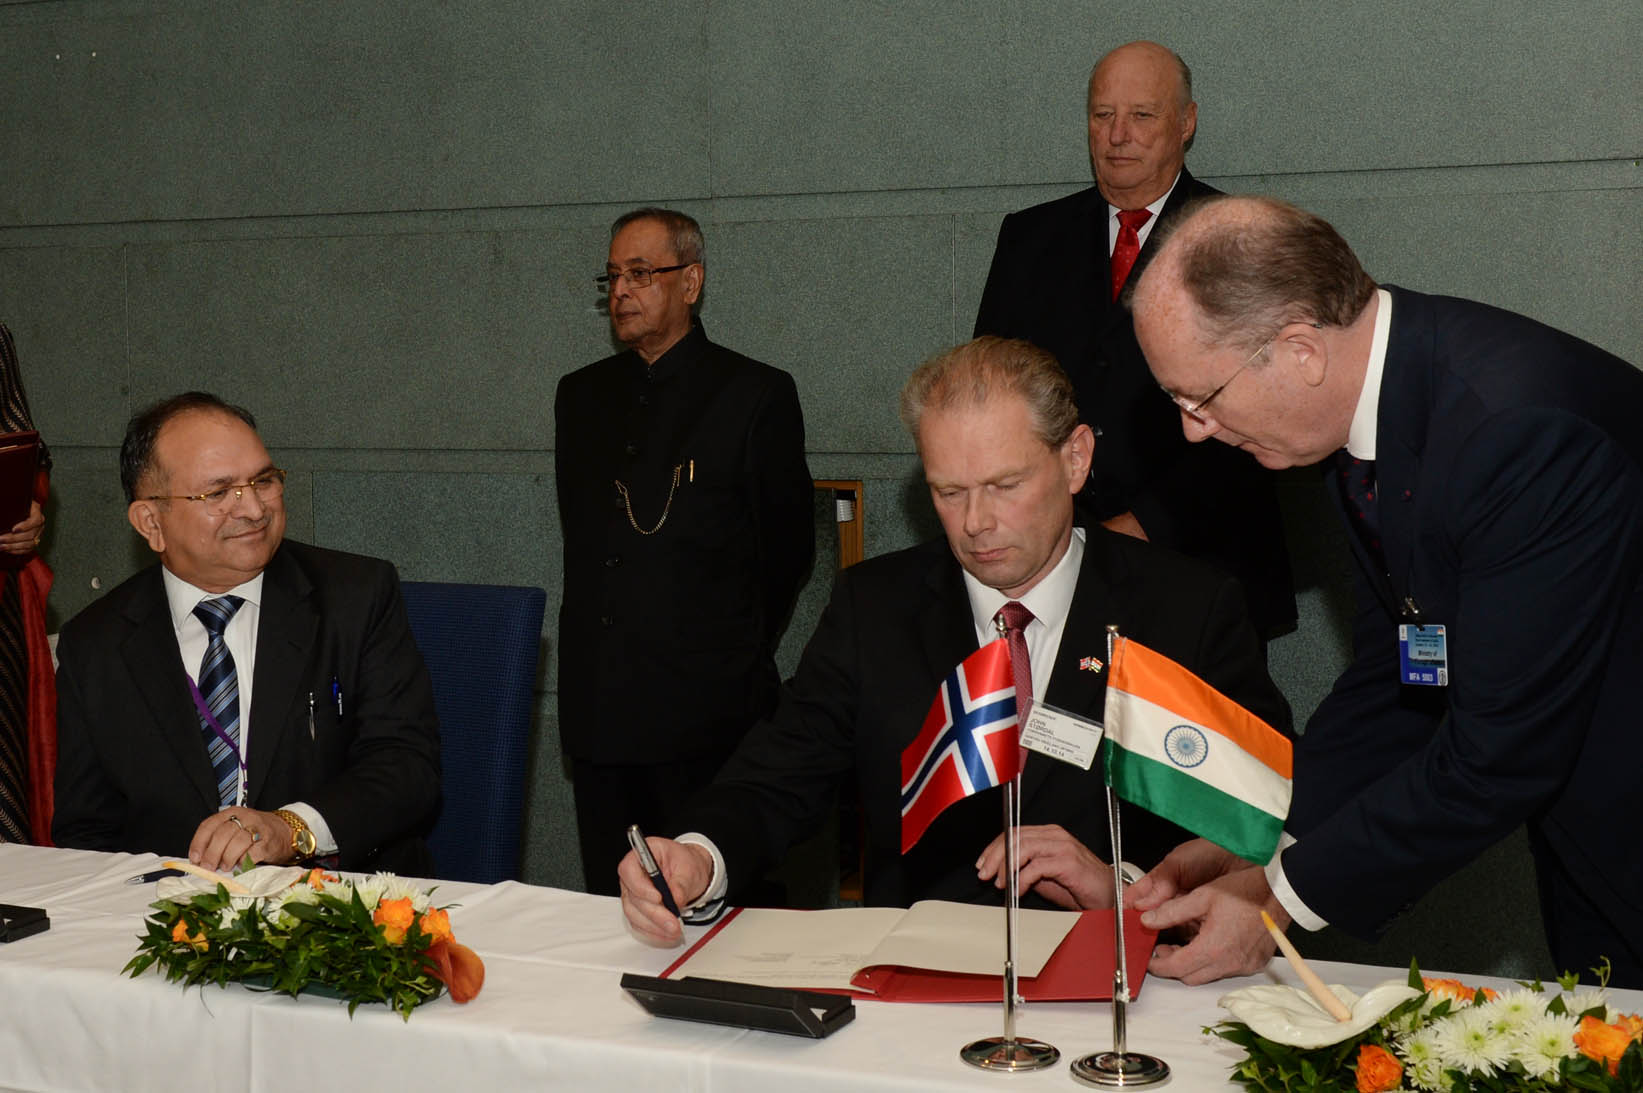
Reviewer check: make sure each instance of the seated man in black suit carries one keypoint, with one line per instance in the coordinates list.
(246, 694)
(1055, 281)
(1003, 454)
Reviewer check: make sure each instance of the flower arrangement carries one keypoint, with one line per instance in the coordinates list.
(376, 939)
(1436, 1034)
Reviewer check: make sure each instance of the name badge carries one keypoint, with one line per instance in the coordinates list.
(1423, 655)
(1061, 735)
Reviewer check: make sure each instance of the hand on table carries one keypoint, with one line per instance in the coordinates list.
(26, 535)
(1055, 865)
(224, 838)
(687, 868)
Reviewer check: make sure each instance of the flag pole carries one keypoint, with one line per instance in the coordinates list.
(1118, 1068)
(1009, 1052)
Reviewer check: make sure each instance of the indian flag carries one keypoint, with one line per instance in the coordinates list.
(1179, 748)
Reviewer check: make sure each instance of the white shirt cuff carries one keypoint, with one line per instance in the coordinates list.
(1284, 892)
(718, 883)
(324, 841)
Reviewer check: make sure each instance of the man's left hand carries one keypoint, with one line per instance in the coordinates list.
(25, 536)
(1055, 865)
(1224, 918)
(224, 838)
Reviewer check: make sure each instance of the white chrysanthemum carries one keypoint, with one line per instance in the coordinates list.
(1581, 999)
(274, 908)
(1514, 1009)
(394, 887)
(369, 890)
(1543, 1041)
(1466, 1041)
(1423, 1066)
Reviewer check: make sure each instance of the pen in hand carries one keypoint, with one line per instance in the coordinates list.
(647, 860)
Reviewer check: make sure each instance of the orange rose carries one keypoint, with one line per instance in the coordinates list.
(1632, 1023)
(436, 924)
(318, 878)
(1454, 990)
(180, 934)
(1602, 1043)
(394, 916)
(1378, 1069)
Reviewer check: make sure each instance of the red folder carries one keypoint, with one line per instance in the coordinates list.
(1080, 970)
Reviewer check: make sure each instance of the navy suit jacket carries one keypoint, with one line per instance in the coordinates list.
(1050, 283)
(1509, 467)
(132, 772)
(895, 627)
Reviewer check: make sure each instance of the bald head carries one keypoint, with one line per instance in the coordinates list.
(1141, 121)
(1249, 265)
(1257, 319)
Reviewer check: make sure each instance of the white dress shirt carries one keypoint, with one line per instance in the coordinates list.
(240, 635)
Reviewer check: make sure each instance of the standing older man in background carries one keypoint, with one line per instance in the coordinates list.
(1055, 281)
(248, 694)
(1490, 469)
(687, 510)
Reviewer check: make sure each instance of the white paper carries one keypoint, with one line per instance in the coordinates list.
(777, 948)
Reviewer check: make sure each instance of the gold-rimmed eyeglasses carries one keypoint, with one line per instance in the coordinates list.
(638, 276)
(267, 487)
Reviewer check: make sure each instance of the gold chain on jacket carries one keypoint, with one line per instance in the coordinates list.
(628, 501)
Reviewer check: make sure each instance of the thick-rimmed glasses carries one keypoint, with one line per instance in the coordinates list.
(638, 276)
(269, 486)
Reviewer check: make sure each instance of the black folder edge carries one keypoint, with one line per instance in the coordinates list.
(16, 922)
(741, 1005)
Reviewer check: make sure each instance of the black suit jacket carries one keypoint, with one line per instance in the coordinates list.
(132, 772)
(1050, 283)
(1510, 495)
(895, 627)
(667, 641)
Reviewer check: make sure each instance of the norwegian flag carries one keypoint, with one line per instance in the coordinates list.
(968, 742)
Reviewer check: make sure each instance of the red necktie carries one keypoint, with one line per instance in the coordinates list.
(1128, 247)
(1016, 617)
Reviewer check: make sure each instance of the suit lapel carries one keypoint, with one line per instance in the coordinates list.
(286, 633)
(946, 627)
(1400, 425)
(1071, 687)
(151, 656)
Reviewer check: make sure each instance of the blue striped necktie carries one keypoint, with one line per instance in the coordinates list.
(219, 684)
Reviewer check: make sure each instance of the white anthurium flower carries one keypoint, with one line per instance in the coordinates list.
(1289, 1015)
(263, 880)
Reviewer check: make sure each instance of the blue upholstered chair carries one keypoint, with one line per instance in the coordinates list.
(480, 643)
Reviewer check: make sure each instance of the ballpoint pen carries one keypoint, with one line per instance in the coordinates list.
(636, 839)
(158, 874)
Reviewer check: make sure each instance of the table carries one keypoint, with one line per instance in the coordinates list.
(551, 1013)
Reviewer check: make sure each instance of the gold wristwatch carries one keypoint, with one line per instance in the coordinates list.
(303, 844)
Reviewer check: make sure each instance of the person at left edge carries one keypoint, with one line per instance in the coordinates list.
(687, 510)
(359, 775)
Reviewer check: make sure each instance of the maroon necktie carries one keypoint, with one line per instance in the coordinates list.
(1128, 247)
(1016, 617)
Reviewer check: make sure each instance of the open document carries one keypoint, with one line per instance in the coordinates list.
(930, 952)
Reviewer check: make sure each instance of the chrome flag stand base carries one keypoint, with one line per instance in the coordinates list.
(997, 1053)
(1010, 1053)
(1110, 1070)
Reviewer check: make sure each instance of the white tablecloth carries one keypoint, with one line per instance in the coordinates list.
(551, 1013)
